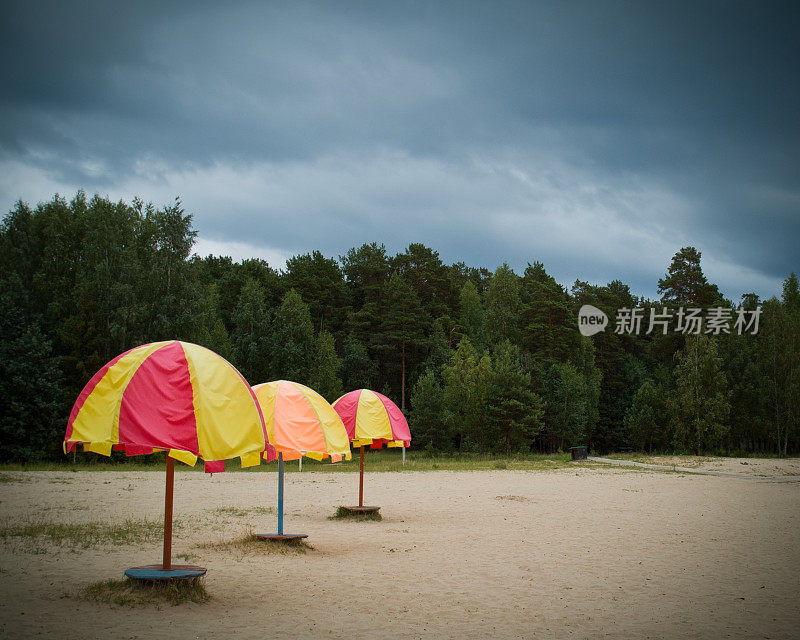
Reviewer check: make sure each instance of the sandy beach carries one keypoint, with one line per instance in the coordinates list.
(572, 553)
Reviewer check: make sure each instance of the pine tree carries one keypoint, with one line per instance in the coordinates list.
(472, 317)
(404, 324)
(741, 363)
(567, 410)
(212, 333)
(32, 412)
(646, 419)
(514, 411)
(685, 283)
(791, 293)
(779, 351)
(366, 269)
(321, 284)
(550, 330)
(423, 270)
(503, 305)
(467, 384)
(700, 404)
(592, 379)
(359, 371)
(324, 377)
(252, 336)
(292, 347)
(426, 413)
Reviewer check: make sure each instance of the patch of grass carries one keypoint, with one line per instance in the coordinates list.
(513, 498)
(250, 545)
(344, 514)
(385, 460)
(687, 460)
(633, 457)
(237, 512)
(88, 534)
(93, 462)
(146, 593)
(501, 464)
(6, 478)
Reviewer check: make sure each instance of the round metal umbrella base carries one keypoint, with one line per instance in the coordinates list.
(286, 538)
(157, 572)
(361, 511)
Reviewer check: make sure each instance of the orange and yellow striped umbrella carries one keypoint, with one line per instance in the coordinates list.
(170, 396)
(300, 422)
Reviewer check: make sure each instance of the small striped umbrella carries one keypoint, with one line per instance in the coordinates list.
(299, 422)
(371, 419)
(175, 397)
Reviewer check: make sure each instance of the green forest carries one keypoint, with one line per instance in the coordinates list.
(479, 360)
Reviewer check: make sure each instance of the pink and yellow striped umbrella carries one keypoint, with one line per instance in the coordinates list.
(170, 396)
(372, 419)
(176, 397)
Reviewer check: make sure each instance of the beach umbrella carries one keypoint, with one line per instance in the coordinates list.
(175, 397)
(300, 422)
(371, 419)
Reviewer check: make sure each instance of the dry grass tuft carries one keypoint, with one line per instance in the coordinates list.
(513, 498)
(7, 478)
(343, 513)
(249, 545)
(85, 534)
(238, 512)
(146, 593)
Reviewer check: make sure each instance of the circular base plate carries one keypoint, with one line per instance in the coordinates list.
(157, 572)
(360, 511)
(288, 538)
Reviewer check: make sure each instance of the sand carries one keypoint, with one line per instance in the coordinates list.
(786, 469)
(575, 553)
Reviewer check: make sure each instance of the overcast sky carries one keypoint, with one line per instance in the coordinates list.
(597, 137)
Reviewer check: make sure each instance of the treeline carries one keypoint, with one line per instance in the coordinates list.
(479, 360)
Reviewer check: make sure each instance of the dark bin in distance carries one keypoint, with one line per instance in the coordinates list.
(579, 453)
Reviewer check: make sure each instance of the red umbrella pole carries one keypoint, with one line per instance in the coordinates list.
(361, 480)
(167, 560)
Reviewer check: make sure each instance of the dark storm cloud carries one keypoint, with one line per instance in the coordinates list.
(596, 136)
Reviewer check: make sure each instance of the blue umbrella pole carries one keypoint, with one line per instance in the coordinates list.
(288, 538)
(280, 493)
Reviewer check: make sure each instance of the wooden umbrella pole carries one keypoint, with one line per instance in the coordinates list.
(361, 479)
(166, 564)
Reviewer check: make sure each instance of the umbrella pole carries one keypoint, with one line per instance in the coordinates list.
(280, 493)
(361, 479)
(167, 558)
(166, 570)
(280, 536)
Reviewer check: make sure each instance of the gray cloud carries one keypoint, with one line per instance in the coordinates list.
(596, 137)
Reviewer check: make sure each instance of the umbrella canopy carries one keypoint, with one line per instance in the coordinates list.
(372, 419)
(170, 396)
(300, 422)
